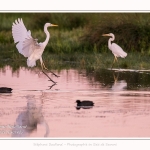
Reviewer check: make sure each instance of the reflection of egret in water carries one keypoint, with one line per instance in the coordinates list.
(84, 104)
(118, 85)
(30, 120)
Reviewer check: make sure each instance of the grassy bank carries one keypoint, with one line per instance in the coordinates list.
(78, 60)
(97, 60)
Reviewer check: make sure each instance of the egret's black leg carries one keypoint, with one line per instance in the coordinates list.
(49, 70)
(52, 85)
(113, 62)
(117, 61)
(49, 77)
(43, 67)
(54, 74)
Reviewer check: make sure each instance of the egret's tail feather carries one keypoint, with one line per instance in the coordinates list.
(124, 54)
(31, 62)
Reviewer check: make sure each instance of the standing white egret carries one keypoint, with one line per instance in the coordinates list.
(28, 46)
(116, 49)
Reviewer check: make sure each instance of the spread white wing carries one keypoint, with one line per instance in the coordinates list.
(25, 43)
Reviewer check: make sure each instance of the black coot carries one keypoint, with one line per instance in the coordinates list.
(5, 90)
(84, 104)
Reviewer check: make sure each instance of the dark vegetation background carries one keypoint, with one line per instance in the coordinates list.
(132, 30)
(78, 37)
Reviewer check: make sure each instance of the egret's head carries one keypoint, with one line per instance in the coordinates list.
(50, 25)
(109, 34)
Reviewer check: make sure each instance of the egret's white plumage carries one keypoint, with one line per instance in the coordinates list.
(116, 49)
(27, 45)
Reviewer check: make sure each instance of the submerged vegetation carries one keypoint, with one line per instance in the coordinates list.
(77, 41)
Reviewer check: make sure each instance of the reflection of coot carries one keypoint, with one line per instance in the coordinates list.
(84, 104)
(5, 90)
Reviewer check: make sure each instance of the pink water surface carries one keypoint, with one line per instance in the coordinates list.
(35, 110)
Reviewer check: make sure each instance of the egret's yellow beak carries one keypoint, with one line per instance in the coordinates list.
(105, 35)
(54, 25)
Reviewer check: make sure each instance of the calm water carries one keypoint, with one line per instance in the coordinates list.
(37, 108)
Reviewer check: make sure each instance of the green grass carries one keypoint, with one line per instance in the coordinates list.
(94, 61)
(77, 41)
(83, 30)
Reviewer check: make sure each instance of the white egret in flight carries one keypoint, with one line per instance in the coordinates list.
(116, 49)
(28, 46)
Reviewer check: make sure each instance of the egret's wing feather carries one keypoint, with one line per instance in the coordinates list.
(20, 34)
(29, 46)
(34, 51)
(118, 51)
(19, 31)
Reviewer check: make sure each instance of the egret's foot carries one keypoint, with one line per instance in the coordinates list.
(50, 87)
(49, 77)
(52, 81)
(50, 71)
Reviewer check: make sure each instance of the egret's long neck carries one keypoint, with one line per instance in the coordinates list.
(47, 35)
(110, 40)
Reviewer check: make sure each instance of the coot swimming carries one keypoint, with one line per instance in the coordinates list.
(5, 90)
(84, 104)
